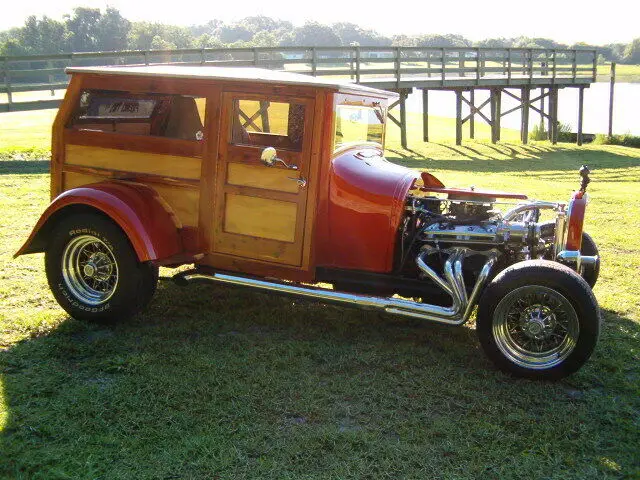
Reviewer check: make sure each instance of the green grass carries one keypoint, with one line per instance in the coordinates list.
(215, 382)
(624, 73)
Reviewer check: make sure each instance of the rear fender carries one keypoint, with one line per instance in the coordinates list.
(145, 218)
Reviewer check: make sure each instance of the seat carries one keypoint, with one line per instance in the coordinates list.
(184, 119)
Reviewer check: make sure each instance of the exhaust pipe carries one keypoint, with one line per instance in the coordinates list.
(457, 314)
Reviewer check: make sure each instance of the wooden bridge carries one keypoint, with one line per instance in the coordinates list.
(530, 76)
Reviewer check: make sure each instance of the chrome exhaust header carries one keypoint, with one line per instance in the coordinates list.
(453, 284)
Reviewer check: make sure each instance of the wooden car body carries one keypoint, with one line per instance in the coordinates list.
(229, 210)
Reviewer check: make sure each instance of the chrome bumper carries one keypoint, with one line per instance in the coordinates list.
(575, 259)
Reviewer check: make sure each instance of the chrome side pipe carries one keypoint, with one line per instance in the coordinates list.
(457, 314)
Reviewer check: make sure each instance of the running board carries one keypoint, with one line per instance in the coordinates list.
(457, 314)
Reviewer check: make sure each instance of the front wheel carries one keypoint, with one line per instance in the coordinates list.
(93, 271)
(538, 319)
(589, 272)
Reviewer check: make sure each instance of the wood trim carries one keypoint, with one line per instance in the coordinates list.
(262, 177)
(134, 177)
(184, 202)
(188, 86)
(270, 90)
(208, 168)
(263, 218)
(141, 84)
(250, 154)
(74, 179)
(138, 143)
(262, 193)
(67, 107)
(133, 162)
(317, 161)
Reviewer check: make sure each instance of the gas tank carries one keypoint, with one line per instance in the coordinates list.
(365, 205)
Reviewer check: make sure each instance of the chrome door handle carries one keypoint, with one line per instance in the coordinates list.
(301, 181)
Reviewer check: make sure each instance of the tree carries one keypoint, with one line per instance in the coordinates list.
(449, 40)
(495, 43)
(632, 51)
(265, 39)
(404, 41)
(11, 47)
(207, 41)
(83, 29)
(45, 35)
(112, 31)
(351, 33)
(312, 34)
(233, 33)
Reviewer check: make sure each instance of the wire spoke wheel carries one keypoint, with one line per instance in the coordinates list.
(535, 327)
(89, 270)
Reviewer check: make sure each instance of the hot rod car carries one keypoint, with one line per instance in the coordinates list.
(278, 182)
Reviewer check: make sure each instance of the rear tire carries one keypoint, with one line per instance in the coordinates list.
(93, 271)
(538, 319)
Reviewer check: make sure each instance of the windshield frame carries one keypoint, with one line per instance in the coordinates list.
(373, 103)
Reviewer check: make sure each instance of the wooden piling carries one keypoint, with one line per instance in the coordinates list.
(496, 112)
(472, 99)
(612, 84)
(425, 115)
(524, 121)
(580, 113)
(403, 119)
(542, 109)
(553, 115)
(458, 117)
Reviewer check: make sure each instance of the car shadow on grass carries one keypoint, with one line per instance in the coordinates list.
(23, 167)
(216, 381)
(534, 160)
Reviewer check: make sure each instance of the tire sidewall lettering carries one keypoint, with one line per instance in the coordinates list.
(88, 231)
(79, 305)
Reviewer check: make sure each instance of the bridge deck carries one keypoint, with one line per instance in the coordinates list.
(489, 81)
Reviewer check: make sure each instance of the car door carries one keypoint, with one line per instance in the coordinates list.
(260, 210)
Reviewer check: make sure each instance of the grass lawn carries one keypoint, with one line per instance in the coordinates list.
(215, 382)
(624, 73)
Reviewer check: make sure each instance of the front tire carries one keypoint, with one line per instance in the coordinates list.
(589, 272)
(538, 319)
(93, 271)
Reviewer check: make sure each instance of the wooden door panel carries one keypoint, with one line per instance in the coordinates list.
(262, 218)
(260, 211)
(258, 176)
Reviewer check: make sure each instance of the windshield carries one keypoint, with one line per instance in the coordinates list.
(357, 124)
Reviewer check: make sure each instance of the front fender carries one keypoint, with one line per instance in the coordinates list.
(144, 217)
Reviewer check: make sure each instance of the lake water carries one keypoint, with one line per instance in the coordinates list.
(626, 107)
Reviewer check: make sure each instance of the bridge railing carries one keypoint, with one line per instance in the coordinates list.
(385, 67)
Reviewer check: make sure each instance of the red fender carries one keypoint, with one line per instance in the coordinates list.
(141, 213)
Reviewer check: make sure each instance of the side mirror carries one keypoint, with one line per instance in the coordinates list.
(270, 157)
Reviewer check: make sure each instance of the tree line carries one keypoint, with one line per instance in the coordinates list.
(90, 29)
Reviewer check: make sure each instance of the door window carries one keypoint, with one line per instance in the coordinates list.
(268, 124)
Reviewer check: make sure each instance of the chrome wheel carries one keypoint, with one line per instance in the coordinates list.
(89, 270)
(535, 327)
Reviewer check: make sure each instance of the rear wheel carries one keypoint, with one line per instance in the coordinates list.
(538, 319)
(93, 271)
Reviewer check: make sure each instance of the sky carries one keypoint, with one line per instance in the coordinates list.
(567, 21)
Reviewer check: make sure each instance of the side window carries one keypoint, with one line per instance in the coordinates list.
(268, 124)
(172, 116)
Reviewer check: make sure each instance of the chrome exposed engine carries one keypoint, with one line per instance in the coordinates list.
(443, 223)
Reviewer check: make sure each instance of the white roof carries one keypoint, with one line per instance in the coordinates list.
(242, 74)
